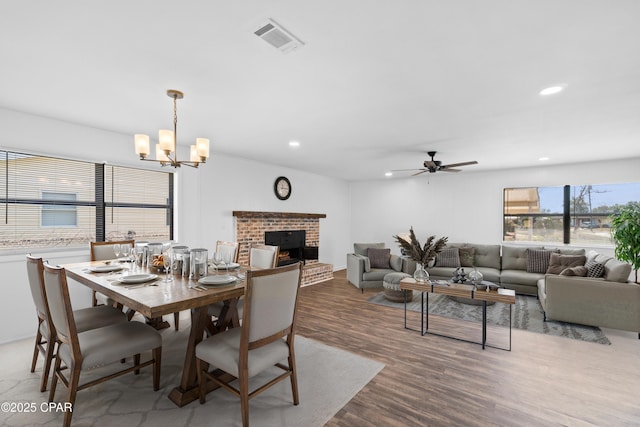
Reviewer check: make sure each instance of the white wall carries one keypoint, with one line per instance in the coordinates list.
(465, 207)
(205, 199)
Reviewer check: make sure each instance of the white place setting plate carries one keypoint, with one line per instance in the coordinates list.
(229, 266)
(217, 280)
(137, 278)
(104, 268)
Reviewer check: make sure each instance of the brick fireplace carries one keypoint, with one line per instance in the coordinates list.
(252, 225)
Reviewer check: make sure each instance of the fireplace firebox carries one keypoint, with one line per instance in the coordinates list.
(292, 246)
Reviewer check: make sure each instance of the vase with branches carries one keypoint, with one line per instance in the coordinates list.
(421, 254)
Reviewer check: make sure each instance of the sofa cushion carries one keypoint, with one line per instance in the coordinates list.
(449, 257)
(519, 277)
(617, 271)
(466, 255)
(376, 274)
(490, 274)
(580, 271)
(559, 262)
(594, 269)
(379, 257)
(396, 262)
(515, 257)
(361, 248)
(570, 251)
(538, 260)
(602, 259)
(487, 256)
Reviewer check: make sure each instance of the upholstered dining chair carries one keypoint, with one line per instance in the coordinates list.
(229, 250)
(83, 351)
(85, 318)
(102, 251)
(263, 256)
(271, 297)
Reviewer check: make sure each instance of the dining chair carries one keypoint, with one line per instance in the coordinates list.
(85, 318)
(229, 250)
(103, 251)
(263, 256)
(83, 351)
(271, 297)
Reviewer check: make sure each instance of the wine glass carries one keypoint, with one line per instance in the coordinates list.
(117, 250)
(217, 259)
(125, 250)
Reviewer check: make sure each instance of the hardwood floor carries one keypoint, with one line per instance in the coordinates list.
(435, 381)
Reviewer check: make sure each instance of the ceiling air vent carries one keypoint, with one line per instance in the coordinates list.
(278, 37)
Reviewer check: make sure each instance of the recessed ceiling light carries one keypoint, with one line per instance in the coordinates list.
(543, 159)
(551, 90)
(388, 174)
(294, 144)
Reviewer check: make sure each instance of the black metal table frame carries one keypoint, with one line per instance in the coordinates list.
(424, 322)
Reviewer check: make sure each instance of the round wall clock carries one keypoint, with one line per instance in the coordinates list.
(282, 188)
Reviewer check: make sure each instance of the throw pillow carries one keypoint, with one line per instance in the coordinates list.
(558, 262)
(617, 271)
(538, 260)
(466, 254)
(594, 269)
(448, 258)
(580, 271)
(380, 258)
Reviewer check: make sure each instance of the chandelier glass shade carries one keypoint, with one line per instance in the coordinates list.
(166, 148)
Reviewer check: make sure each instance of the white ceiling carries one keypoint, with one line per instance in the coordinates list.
(377, 84)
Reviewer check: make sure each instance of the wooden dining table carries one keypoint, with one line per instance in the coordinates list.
(160, 298)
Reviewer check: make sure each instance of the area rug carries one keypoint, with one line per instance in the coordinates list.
(327, 378)
(527, 315)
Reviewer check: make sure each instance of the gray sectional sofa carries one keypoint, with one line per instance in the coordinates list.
(608, 301)
(501, 264)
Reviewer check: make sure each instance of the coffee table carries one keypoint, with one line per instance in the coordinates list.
(506, 296)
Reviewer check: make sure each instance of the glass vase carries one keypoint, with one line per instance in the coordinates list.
(475, 276)
(420, 275)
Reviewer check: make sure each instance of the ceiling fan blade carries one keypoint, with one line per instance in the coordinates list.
(430, 164)
(419, 173)
(450, 170)
(453, 165)
(406, 170)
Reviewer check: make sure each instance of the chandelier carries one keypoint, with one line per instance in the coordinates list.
(166, 148)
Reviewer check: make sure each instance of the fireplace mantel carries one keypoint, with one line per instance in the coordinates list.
(258, 214)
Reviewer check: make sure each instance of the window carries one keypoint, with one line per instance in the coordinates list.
(59, 215)
(569, 214)
(51, 202)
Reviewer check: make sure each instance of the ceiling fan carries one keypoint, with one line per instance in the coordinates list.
(433, 166)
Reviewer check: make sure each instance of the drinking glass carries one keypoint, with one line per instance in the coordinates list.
(167, 262)
(217, 259)
(136, 257)
(117, 250)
